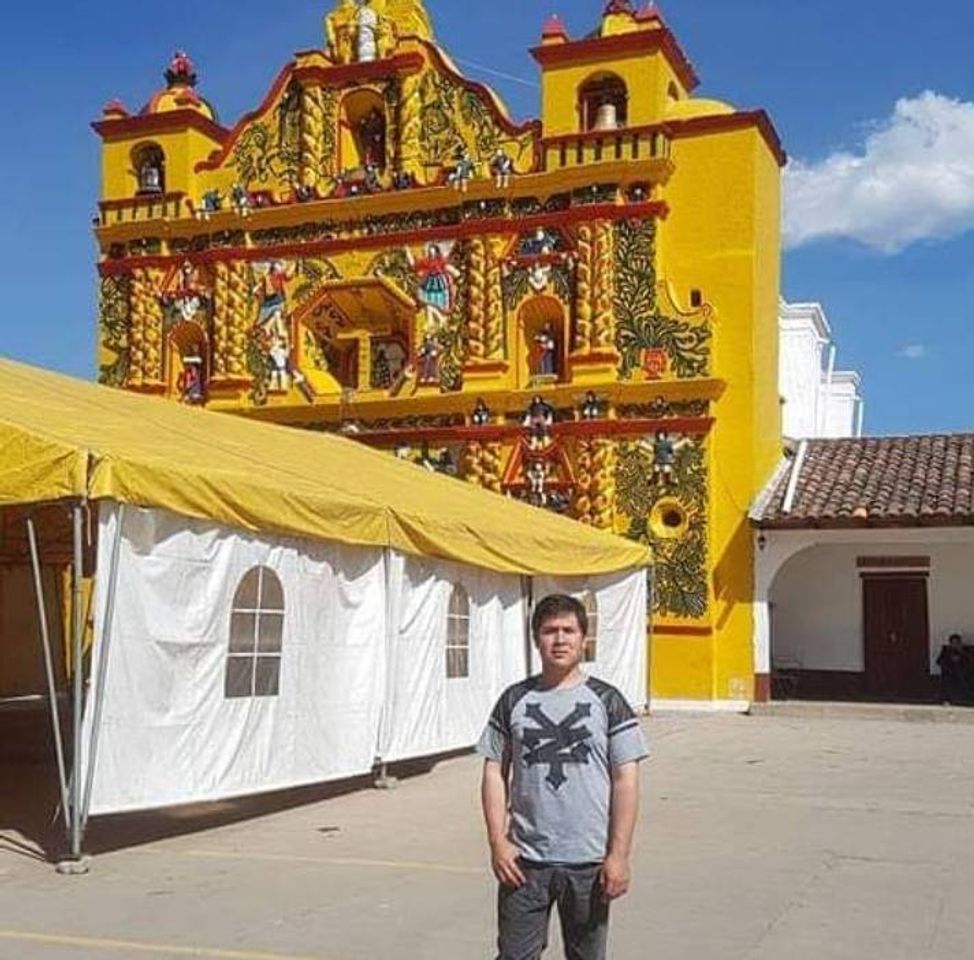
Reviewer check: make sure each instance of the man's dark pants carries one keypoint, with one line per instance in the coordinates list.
(524, 914)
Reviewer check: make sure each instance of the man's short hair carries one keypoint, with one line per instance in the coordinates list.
(558, 605)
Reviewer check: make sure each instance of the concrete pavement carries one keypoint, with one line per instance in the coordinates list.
(762, 838)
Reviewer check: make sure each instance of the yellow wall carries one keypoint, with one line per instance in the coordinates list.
(721, 237)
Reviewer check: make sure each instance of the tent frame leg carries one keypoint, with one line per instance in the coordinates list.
(383, 779)
(75, 864)
(35, 560)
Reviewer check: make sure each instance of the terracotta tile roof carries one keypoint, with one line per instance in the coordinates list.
(875, 481)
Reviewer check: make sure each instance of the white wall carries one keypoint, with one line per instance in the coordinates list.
(817, 600)
(843, 403)
(817, 401)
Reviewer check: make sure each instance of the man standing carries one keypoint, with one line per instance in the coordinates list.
(560, 794)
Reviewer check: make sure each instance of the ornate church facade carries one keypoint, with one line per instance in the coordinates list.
(579, 311)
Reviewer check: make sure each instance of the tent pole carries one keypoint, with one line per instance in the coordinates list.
(77, 644)
(528, 589)
(103, 651)
(35, 560)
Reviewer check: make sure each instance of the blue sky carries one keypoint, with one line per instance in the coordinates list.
(874, 100)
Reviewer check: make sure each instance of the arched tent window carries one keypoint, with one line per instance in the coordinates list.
(603, 103)
(256, 636)
(458, 635)
(149, 163)
(592, 637)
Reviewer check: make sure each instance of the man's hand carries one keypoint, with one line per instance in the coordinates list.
(615, 877)
(503, 861)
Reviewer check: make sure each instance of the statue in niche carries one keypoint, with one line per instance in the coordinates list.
(545, 353)
(190, 381)
(429, 362)
(372, 139)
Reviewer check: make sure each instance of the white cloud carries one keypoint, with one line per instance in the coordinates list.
(915, 351)
(913, 180)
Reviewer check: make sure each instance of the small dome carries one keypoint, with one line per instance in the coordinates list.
(691, 109)
(180, 91)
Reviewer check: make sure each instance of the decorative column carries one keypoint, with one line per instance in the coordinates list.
(584, 482)
(145, 339)
(232, 317)
(604, 484)
(582, 341)
(603, 332)
(494, 301)
(477, 307)
(312, 135)
(410, 125)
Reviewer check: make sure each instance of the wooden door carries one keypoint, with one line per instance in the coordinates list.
(897, 637)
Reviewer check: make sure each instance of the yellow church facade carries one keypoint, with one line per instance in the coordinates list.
(578, 311)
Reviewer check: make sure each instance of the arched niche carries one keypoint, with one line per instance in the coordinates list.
(542, 326)
(149, 168)
(363, 138)
(603, 102)
(188, 363)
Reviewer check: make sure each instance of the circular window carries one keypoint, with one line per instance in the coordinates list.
(669, 520)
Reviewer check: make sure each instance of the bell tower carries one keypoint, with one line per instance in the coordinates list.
(623, 75)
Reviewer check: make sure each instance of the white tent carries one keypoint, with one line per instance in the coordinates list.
(262, 629)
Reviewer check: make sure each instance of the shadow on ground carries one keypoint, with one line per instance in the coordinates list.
(31, 821)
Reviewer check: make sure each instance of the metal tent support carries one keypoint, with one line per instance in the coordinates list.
(75, 864)
(35, 560)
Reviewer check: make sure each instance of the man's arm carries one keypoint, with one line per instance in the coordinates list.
(622, 824)
(503, 853)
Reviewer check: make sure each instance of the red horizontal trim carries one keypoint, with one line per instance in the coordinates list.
(481, 366)
(722, 123)
(888, 563)
(623, 44)
(155, 123)
(466, 230)
(353, 73)
(508, 431)
(675, 630)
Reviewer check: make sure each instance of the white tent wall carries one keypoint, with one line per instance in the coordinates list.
(621, 651)
(429, 712)
(168, 733)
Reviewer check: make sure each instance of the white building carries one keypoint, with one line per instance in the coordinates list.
(818, 400)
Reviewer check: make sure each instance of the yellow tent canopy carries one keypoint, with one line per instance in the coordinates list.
(64, 439)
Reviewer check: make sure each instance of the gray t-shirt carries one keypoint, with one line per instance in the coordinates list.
(559, 748)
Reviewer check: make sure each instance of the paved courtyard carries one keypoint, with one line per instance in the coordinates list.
(767, 838)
